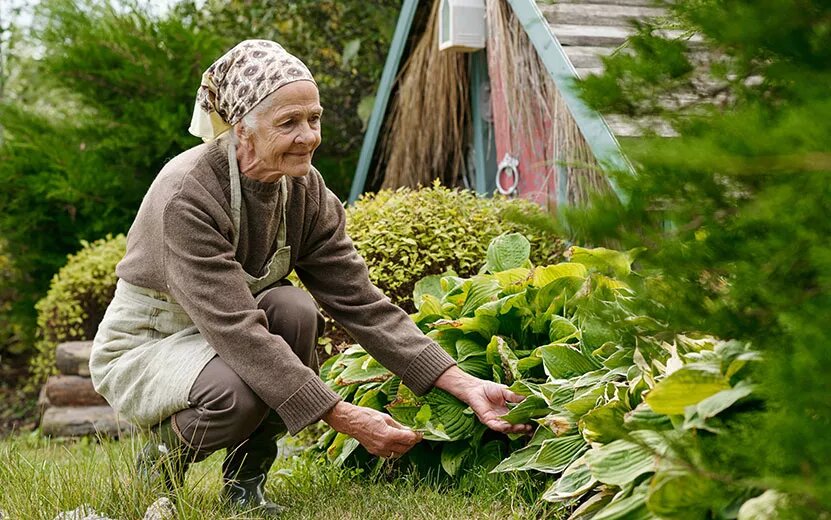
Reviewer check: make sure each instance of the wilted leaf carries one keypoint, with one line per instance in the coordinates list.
(363, 370)
(485, 326)
(604, 423)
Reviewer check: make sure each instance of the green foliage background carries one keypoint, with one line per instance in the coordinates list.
(97, 95)
(746, 190)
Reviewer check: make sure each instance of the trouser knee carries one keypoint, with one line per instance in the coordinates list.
(224, 410)
(293, 315)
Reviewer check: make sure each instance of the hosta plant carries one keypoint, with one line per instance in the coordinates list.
(619, 400)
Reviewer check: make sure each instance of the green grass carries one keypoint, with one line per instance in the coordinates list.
(40, 478)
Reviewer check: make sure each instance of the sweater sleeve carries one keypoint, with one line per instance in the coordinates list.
(331, 268)
(204, 277)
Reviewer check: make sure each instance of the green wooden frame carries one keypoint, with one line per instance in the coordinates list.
(382, 97)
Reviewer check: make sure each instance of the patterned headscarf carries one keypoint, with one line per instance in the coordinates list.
(238, 81)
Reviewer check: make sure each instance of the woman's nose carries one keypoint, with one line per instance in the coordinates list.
(307, 135)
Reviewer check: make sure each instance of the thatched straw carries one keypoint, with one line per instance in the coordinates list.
(427, 134)
(535, 106)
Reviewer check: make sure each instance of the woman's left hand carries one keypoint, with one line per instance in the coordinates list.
(488, 400)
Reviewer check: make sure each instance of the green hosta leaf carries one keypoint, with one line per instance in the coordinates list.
(429, 310)
(365, 369)
(603, 260)
(551, 456)
(513, 280)
(688, 386)
(446, 339)
(545, 275)
(551, 298)
(644, 418)
(632, 507)
(485, 326)
(483, 289)
(466, 348)
(556, 454)
(374, 399)
(681, 495)
(423, 424)
(507, 251)
(531, 407)
(429, 285)
(525, 365)
(453, 454)
(604, 423)
(620, 462)
(696, 417)
(576, 481)
(562, 361)
(590, 507)
(341, 448)
(477, 366)
(562, 329)
(585, 401)
(453, 417)
(516, 302)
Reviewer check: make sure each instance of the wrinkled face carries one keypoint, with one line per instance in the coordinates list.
(286, 134)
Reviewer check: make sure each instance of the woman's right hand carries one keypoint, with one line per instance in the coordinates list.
(379, 433)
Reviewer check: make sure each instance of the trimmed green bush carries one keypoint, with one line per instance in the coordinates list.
(405, 235)
(78, 296)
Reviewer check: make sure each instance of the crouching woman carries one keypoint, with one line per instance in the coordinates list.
(205, 341)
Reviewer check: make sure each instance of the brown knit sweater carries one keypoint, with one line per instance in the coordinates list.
(182, 243)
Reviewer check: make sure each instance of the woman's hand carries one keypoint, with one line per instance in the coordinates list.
(488, 400)
(379, 433)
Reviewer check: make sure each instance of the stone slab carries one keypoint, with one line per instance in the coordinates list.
(72, 391)
(72, 357)
(77, 421)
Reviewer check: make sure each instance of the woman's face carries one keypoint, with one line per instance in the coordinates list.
(286, 135)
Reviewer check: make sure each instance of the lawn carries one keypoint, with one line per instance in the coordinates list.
(41, 477)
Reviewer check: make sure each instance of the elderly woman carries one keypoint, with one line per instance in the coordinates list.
(205, 340)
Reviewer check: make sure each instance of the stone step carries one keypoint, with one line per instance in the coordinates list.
(72, 357)
(72, 391)
(77, 421)
(591, 35)
(587, 57)
(598, 14)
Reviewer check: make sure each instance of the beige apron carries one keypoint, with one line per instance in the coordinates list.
(147, 352)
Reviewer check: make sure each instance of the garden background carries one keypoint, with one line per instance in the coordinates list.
(730, 222)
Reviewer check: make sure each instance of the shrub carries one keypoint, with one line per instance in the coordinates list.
(78, 296)
(405, 235)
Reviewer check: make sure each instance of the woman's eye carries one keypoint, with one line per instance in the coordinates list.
(314, 119)
(287, 124)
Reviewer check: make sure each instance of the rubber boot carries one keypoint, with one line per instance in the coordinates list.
(164, 459)
(246, 465)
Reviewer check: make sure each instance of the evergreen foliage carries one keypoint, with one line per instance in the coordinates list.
(405, 235)
(745, 189)
(87, 125)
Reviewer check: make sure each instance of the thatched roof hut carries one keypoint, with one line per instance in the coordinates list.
(507, 117)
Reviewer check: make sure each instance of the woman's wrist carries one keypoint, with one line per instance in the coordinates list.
(338, 417)
(456, 382)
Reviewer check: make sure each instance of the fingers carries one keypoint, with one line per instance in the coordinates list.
(512, 397)
(402, 434)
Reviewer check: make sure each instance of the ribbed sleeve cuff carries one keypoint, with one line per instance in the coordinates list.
(426, 368)
(307, 405)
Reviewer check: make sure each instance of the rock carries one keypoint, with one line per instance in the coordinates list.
(63, 421)
(72, 391)
(72, 357)
(161, 509)
(83, 512)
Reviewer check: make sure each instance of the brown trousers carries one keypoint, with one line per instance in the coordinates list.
(224, 411)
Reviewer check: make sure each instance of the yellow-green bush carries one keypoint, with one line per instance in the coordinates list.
(76, 301)
(405, 235)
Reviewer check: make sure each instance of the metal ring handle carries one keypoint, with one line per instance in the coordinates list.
(509, 167)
